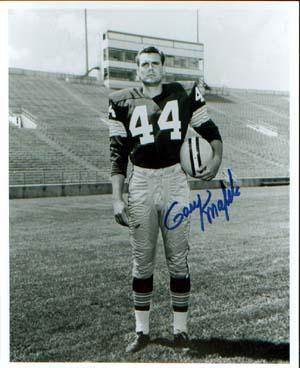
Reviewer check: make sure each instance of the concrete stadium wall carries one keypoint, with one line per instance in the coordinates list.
(58, 190)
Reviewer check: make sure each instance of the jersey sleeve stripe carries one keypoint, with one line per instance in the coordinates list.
(116, 128)
(201, 110)
(199, 117)
(196, 122)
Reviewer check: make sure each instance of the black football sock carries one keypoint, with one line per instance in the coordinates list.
(180, 294)
(142, 293)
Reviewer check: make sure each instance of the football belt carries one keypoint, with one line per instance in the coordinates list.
(195, 155)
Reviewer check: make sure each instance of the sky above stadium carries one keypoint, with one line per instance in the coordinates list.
(246, 44)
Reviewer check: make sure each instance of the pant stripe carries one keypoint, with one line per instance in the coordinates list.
(179, 295)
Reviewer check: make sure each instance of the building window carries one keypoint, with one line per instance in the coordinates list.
(104, 36)
(123, 74)
(105, 75)
(116, 55)
(182, 62)
(193, 63)
(201, 65)
(169, 61)
(130, 56)
(127, 56)
(177, 62)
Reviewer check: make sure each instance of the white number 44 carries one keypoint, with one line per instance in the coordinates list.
(145, 130)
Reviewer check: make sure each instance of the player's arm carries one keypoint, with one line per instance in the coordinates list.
(119, 205)
(119, 151)
(211, 168)
(203, 125)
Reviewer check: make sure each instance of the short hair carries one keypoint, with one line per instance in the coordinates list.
(150, 50)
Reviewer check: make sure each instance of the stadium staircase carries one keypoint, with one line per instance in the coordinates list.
(71, 145)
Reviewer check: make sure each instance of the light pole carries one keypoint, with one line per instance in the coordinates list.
(197, 26)
(86, 43)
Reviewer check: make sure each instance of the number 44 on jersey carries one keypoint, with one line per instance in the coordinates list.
(145, 130)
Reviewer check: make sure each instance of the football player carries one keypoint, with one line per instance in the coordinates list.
(149, 124)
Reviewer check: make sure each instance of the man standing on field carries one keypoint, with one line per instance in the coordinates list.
(149, 124)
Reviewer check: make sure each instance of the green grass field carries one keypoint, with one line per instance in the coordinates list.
(70, 284)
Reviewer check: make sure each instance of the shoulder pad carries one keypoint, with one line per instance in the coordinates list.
(188, 86)
(178, 86)
(121, 95)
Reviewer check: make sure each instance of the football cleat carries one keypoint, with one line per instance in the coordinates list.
(138, 343)
(181, 341)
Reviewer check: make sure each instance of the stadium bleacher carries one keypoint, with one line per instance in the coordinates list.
(70, 143)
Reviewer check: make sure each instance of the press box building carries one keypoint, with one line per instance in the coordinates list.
(184, 60)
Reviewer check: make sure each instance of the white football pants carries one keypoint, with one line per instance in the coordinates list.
(150, 194)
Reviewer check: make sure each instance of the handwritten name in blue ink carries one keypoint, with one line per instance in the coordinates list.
(207, 209)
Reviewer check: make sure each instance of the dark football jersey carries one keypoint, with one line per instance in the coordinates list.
(151, 130)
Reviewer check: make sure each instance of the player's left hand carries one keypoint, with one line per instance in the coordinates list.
(209, 170)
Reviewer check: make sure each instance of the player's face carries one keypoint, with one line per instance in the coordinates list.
(150, 69)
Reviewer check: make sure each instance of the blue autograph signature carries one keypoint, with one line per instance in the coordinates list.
(207, 210)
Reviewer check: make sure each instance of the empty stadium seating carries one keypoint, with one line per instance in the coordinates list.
(71, 141)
